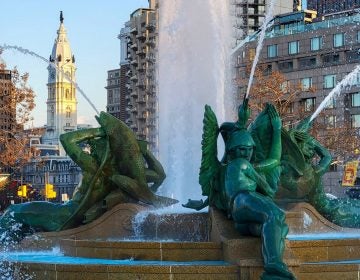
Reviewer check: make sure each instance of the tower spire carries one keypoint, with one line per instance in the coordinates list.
(61, 17)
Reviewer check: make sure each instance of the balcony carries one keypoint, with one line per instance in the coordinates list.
(150, 26)
(142, 116)
(150, 124)
(140, 36)
(128, 73)
(134, 78)
(134, 94)
(134, 62)
(140, 52)
(140, 84)
(150, 42)
(150, 59)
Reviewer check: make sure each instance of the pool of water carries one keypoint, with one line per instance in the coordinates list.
(324, 236)
(56, 257)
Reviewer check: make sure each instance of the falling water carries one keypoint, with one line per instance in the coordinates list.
(194, 46)
(349, 80)
(264, 26)
(28, 52)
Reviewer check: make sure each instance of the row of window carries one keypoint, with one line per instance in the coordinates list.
(329, 82)
(309, 103)
(316, 44)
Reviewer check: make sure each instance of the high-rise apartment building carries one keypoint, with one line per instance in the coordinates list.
(248, 15)
(113, 94)
(7, 108)
(138, 56)
(315, 55)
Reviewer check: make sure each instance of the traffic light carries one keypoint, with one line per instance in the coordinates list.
(49, 191)
(22, 191)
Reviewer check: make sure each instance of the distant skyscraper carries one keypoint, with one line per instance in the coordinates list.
(113, 94)
(324, 7)
(7, 109)
(249, 15)
(138, 75)
(61, 101)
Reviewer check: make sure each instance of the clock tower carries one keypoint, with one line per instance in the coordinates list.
(61, 101)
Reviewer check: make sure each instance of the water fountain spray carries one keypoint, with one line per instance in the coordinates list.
(346, 82)
(53, 65)
(266, 24)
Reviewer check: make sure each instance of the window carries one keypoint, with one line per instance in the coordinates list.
(290, 108)
(306, 83)
(252, 53)
(329, 81)
(358, 36)
(286, 66)
(331, 103)
(68, 111)
(285, 86)
(330, 122)
(309, 104)
(356, 80)
(355, 99)
(272, 51)
(293, 47)
(330, 59)
(355, 121)
(333, 167)
(307, 62)
(338, 40)
(315, 43)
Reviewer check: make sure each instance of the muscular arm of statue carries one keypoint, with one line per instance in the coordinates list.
(71, 141)
(273, 159)
(325, 158)
(154, 172)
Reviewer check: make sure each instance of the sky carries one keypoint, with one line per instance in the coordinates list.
(92, 29)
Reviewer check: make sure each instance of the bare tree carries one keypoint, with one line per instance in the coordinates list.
(338, 136)
(16, 104)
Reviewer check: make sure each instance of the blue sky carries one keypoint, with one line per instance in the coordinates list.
(92, 28)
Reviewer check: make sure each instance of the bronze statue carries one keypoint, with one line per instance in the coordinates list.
(245, 181)
(118, 169)
(301, 177)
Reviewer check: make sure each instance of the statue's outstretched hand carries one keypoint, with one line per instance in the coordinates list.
(195, 204)
(274, 117)
(243, 113)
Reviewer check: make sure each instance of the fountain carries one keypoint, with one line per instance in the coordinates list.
(174, 246)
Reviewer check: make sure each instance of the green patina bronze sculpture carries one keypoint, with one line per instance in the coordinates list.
(245, 181)
(301, 177)
(118, 169)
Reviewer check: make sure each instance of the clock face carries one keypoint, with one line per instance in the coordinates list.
(52, 74)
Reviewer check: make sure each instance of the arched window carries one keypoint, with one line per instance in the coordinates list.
(68, 111)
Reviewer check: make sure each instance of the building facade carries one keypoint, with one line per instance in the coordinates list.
(325, 7)
(113, 102)
(138, 75)
(7, 108)
(52, 166)
(249, 15)
(315, 55)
